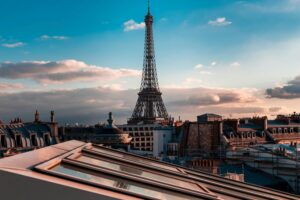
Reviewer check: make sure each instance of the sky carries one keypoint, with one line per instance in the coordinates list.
(83, 59)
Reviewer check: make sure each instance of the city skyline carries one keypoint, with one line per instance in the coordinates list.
(234, 58)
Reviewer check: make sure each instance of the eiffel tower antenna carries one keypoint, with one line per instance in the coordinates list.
(149, 106)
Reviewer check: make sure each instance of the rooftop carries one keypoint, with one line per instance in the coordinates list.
(86, 171)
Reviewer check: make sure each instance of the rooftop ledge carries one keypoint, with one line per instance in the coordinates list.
(81, 170)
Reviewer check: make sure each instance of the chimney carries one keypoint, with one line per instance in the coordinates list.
(110, 120)
(52, 116)
(36, 116)
(265, 118)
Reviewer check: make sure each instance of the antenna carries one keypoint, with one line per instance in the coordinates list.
(148, 6)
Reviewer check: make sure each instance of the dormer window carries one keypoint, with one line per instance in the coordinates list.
(18, 140)
(47, 139)
(3, 141)
(33, 140)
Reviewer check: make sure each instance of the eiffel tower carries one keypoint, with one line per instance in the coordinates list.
(149, 107)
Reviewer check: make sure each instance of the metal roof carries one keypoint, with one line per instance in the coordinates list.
(121, 175)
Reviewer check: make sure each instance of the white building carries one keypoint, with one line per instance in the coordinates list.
(161, 137)
(142, 135)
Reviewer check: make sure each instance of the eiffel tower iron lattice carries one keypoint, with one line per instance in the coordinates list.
(149, 106)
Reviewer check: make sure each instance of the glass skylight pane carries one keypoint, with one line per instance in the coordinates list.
(133, 158)
(117, 183)
(138, 172)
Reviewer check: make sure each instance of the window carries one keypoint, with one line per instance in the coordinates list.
(33, 140)
(279, 130)
(3, 141)
(120, 184)
(135, 171)
(18, 141)
(130, 158)
(47, 139)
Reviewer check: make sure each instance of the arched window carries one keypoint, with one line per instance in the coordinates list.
(47, 139)
(18, 140)
(33, 140)
(3, 141)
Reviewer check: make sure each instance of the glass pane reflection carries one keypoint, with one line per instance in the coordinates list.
(113, 182)
(138, 172)
(133, 158)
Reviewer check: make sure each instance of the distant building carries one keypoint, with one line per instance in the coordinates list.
(18, 136)
(202, 138)
(162, 137)
(284, 129)
(244, 132)
(210, 136)
(209, 117)
(141, 134)
(105, 134)
(260, 130)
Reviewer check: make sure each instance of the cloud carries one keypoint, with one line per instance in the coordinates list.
(54, 37)
(10, 86)
(275, 109)
(13, 45)
(289, 91)
(214, 63)
(90, 105)
(235, 64)
(212, 96)
(199, 68)
(221, 21)
(191, 82)
(284, 6)
(47, 72)
(131, 25)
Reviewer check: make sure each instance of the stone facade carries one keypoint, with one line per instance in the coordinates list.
(201, 139)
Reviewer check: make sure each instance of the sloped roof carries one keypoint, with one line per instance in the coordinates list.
(24, 128)
(122, 175)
